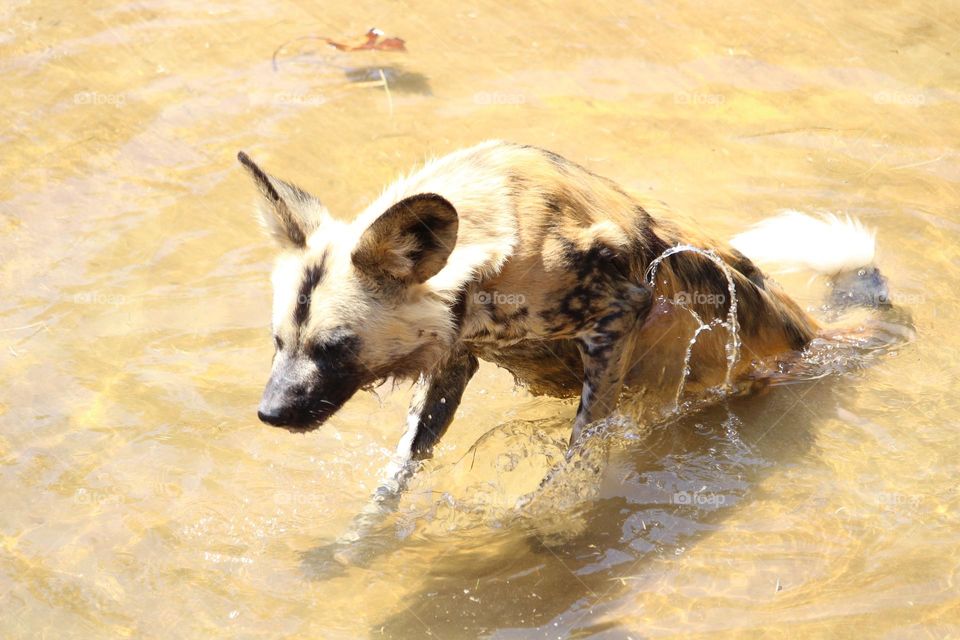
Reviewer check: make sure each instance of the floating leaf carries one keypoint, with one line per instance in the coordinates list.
(373, 40)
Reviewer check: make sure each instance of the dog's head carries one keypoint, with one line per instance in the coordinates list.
(350, 305)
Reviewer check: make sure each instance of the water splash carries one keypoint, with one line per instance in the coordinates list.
(522, 474)
(731, 324)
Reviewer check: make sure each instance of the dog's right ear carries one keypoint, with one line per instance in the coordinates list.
(289, 213)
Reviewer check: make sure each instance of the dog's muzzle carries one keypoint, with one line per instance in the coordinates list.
(300, 397)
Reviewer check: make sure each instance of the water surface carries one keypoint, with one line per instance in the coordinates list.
(143, 499)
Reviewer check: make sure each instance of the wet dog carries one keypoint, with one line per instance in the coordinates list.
(515, 255)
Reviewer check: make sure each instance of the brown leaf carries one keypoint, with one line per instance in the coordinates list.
(374, 41)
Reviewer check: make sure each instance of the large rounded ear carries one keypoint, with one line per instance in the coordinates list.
(289, 213)
(410, 241)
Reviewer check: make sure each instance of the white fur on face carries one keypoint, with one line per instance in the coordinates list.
(286, 278)
(390, 327)
(420, 321)
(339, 300)
(332, 239)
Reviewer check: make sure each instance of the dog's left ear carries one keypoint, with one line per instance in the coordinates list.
(410, 241)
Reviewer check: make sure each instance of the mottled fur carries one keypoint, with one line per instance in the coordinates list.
(510, 254)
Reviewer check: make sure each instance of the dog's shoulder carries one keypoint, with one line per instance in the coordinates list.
(522, 204)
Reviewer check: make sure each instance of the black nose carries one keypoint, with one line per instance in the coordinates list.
(274, 417)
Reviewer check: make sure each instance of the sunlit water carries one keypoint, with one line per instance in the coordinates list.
(142, 498)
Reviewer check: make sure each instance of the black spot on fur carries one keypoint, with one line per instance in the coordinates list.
(311, 278)
(575, 307)
(798, 336)
(605, 323)
(516, 184)
(744, 265)
(336, 355)
(427, 231)
(553, 204)
(599, 271)
(648, 244)
(752, 307)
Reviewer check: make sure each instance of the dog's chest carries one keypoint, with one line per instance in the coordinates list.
(544, 367)
(508, 332)
(494, 320)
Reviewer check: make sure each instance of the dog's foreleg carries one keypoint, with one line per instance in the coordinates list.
(435, 401)
(606, 348)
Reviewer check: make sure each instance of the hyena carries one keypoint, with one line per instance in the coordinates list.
(515, 255)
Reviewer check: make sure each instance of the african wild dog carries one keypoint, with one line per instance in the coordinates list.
(513, 255)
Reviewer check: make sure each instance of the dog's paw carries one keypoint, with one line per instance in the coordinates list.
(322, 563)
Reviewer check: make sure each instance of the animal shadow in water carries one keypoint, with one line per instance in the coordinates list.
(659, 494)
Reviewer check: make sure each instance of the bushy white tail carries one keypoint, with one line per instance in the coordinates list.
(828, 244)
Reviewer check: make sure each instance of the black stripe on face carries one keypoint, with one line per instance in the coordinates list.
(312, 277)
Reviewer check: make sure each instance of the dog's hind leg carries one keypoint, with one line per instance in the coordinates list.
(435, 401)
(606, 348)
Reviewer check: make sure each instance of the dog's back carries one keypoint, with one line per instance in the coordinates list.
(536, 230)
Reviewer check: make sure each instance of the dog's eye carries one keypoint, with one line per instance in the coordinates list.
(278, 343)
(340, 346)
(319, 351)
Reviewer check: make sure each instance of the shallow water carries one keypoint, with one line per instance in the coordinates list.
(141, 496)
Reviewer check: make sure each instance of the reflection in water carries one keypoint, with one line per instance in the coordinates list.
(629, 497)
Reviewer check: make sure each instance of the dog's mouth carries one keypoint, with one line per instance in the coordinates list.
(302, 419)
(304, 407)
(306, 429)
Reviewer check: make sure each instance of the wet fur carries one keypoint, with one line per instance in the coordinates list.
(514, 255)
(558, 244)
